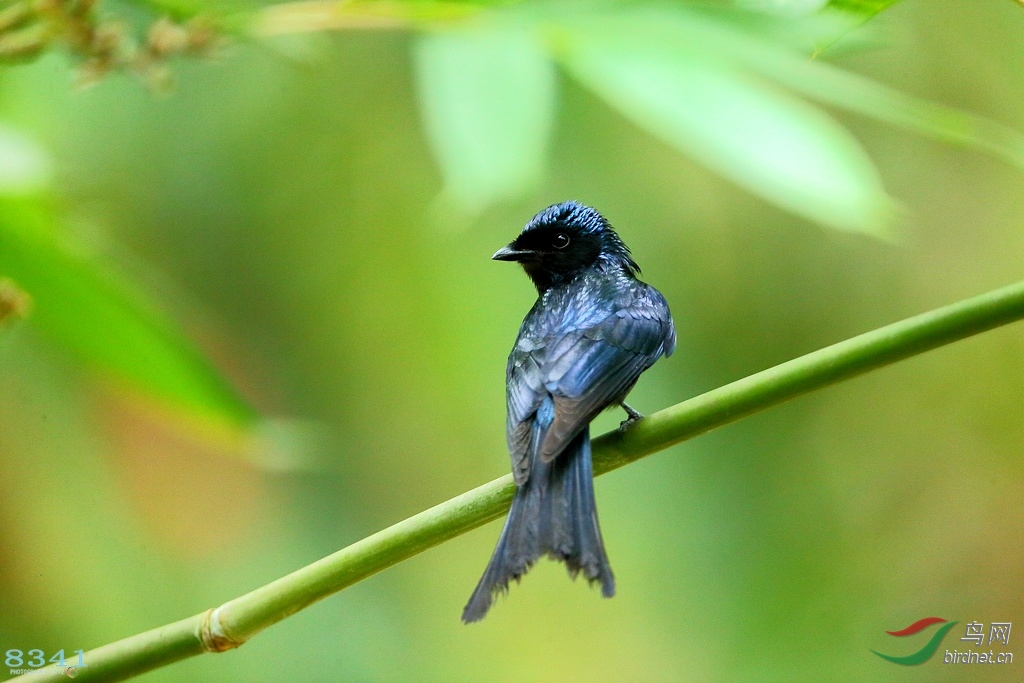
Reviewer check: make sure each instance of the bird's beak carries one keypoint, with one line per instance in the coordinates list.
(510, 253)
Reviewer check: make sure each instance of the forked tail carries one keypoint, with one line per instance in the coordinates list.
(552, 514)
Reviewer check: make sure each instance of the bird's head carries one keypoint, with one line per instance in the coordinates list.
(564, 239)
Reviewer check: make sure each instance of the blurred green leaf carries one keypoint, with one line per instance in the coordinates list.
(864, 8)
(24, 168)
(854, 93)
(334, 15)
(748, 49)
(784, 7)
(103, 321)
(487, 99)
(801, 33)
(772, 144)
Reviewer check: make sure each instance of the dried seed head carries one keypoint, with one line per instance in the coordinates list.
(15, 15)
(23, 43)
(202, 37)
(109, 39)
(166, 38)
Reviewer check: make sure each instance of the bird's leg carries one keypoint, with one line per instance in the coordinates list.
(633, 416)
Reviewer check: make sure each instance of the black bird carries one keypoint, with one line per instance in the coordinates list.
(594, 328)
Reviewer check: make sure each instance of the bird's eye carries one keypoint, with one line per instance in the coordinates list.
(560, 241)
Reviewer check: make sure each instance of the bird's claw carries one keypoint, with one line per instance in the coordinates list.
(634, 415)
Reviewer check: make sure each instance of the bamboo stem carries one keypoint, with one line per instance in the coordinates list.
(234, 622)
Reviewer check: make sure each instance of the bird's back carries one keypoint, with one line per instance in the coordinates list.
(584, 343)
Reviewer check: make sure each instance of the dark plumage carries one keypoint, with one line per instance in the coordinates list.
(594, 328)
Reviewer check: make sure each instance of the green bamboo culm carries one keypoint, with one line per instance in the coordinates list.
(234, 622)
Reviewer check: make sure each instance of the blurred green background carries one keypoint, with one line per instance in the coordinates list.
(285, 213)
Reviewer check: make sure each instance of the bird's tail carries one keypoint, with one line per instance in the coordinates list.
(552, 514)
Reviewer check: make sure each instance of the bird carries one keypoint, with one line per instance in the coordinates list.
(594, 328)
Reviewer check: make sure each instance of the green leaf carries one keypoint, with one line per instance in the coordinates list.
(104, 321)
(337, 15)
(772, 144)
(864, 8)
(744, 46)
(24, 167)
(795, 8)
(487, 99)
(861, 95)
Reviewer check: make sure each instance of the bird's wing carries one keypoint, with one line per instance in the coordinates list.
(599, 367)
(524, 389)
(584, 368)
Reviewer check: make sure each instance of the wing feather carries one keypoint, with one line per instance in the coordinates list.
(590, 360)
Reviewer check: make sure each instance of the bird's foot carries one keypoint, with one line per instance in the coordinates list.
(633, 417)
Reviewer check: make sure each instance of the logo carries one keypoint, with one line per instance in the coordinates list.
(926, 652)
(974, 633)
